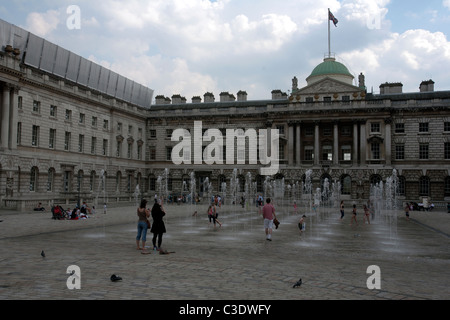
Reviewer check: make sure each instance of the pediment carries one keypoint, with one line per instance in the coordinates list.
(327, 86)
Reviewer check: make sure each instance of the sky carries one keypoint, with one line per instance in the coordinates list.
(190, 47)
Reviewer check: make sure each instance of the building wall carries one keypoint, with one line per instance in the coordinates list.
(305, 126)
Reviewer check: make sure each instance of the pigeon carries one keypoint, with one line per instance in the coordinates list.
(115, 278)
(297, 284)
(43, 254)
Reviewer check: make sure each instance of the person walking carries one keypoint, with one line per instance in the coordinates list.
(342, 209)
(268, 213)
(302, 224)
(143, 214)
(354, 215)
(407, 211)
(158, 226)
(366, 215)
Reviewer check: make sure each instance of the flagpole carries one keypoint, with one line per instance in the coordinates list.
(329, 35)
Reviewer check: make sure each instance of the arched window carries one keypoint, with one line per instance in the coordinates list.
(92, 181)
(50, 179)
(325, 178)
(424, 186)
(118, 180)
(374, 179)
(447, 187)
(33, 179)
(221, 179)
(401, 189)
(346, 185)
(80, 180)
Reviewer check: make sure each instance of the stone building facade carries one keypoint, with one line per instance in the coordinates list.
(64, 141)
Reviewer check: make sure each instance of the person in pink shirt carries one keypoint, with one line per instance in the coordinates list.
(268, 213)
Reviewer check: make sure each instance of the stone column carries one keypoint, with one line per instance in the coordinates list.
(316, 144)
(298, 144)
(336, 143)
(291, 144)
(4, 143)
(363, 143)
(14, 118)
(355, 143)
(388, 143)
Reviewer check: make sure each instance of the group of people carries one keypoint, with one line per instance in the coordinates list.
(157, 226)
(58, 213)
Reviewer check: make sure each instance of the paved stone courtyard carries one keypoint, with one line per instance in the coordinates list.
(234, 262)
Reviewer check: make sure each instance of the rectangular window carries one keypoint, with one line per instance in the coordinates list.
(105, 147)
(375, 148)
(399, 128)
(327, 153)
(280, 130)
(52, 137)
(105, 125)
(80, 143)
(169, 153)
(68, 116)
(94, 122)
(447, 151)
(82, 118)
(139, 152)
(423, 127)
(447, 126)
(309, 153)
(423, 151)
(346, 153)
(119, 149)
(67, 138)
(93, 145)
(375, 127)
(400, 152)
(153, 134)
(129, 150)
(35, 136)
(19, 133)
(36, 106)
(53, 111)
(152, 151)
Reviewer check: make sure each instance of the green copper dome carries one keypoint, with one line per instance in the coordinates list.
(330, 66)
(332, 69)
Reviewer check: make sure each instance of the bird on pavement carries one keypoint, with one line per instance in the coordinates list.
(297, 284)
(43, 254)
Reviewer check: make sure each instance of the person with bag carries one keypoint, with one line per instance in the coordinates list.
(158, 227)
(143, 224)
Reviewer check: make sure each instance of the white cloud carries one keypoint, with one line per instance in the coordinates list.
(43, 24)
(446, 3)
(191, 47)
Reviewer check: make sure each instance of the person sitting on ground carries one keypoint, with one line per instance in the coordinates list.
(39, 207)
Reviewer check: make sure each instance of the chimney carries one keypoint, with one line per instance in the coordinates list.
(278, 95)
(160, 100)
(225, 97)
(196, 99)
(178, 99)
(427, 86)
(208, 97)
(388, 88)
(242, 96)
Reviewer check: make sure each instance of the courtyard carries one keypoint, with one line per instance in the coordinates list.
(233, 262)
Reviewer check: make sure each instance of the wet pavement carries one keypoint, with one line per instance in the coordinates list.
(234, 262)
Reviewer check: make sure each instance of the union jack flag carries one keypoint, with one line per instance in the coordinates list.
(332, 18)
